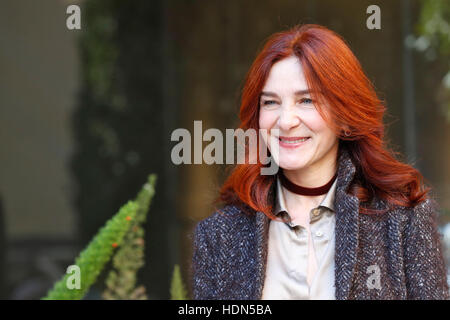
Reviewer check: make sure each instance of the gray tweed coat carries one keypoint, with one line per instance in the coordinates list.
(230, 250)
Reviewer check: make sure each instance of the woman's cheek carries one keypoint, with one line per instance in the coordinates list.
(265, 124)
(267, 119)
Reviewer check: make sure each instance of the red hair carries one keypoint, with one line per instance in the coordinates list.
(335, 78)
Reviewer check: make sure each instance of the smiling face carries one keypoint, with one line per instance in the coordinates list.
(306, 143)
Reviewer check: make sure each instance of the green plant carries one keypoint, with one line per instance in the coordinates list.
(98, 252)
(124, 231)
(121, 280)
(177, 288)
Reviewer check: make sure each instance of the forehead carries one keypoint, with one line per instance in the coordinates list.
(286, 77)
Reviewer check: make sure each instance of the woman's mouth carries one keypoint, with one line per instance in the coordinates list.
(292, 142)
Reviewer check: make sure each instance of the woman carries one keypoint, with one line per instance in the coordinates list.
(342, 218)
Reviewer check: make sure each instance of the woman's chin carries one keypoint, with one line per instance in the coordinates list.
(289, 162)
(291, 166)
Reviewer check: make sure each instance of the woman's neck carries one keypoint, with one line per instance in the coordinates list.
(311, 177)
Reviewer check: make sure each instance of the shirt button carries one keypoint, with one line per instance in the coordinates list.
(319, 233)
(316, 212)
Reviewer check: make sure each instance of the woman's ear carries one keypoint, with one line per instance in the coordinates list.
(346, 131)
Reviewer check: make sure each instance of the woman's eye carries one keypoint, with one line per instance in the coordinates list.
(269, 102)
(306, 100)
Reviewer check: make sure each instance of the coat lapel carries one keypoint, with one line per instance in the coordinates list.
(346, 235)
(262, 234)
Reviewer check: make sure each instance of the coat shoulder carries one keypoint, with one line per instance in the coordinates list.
(426, 210)
(409, 220)
(423, 218)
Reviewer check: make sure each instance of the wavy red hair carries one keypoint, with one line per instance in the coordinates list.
(335, 78)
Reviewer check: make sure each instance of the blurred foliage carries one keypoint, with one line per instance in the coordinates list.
(433, 40)
(434, 25)
(121, 280)
(119, 123)
(92, 260)
(97, 140)
(115, 122)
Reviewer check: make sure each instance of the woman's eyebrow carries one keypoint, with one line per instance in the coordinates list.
(302, 92)
(269, 94)
(272, 94)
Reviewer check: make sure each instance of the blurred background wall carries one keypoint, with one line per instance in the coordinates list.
(86, 115)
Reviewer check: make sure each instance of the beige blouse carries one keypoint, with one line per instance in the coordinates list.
(300, 261)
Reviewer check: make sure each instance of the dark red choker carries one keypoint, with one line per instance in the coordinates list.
(304, 190)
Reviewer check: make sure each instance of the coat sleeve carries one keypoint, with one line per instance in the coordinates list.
(426, 274)
(203, 264)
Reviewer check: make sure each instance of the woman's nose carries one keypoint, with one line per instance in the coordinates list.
(288, 119)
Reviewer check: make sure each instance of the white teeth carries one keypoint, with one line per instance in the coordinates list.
(293, 141)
